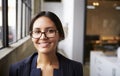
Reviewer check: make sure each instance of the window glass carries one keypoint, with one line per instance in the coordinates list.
(28, 15)
(12, 20)
(27, 20)
(1, 33)
(23, 21)
(19, 7)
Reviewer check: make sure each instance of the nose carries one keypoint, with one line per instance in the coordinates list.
(43, 36)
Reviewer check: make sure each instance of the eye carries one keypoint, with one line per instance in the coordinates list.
(51, 31)
(36, 32)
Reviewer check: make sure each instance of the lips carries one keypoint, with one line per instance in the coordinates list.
(44, 44)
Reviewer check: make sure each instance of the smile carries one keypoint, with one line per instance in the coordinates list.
(44, 44)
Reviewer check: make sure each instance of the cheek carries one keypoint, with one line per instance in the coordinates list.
(57, 39)
(54, 40)
(54, 44)
(34, 41)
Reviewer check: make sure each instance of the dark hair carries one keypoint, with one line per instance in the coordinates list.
(55, 20)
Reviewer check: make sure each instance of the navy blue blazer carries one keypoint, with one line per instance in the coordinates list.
(68, 67)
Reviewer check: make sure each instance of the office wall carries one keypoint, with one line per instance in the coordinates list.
(74, 18)
(36, 5)
(56, 7)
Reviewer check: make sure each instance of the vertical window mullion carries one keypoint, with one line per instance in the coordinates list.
(25, 24)
(19, 19)
(23, 21)
(5, 23)
(16, 20)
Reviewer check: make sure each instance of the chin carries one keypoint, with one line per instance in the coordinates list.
(45, 51)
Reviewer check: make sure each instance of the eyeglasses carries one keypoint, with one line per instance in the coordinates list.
(48, 33)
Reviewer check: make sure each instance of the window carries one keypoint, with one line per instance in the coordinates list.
(26, 17)
(12, 20)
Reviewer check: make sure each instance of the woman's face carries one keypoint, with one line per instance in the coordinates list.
(45, 44)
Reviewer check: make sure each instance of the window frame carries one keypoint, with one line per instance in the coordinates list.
(5, 23)
(20, 24)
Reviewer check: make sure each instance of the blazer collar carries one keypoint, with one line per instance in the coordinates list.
(25, 68)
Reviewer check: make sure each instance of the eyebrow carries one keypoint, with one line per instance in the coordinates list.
(45, 28)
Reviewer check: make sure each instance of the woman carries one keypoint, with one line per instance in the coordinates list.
(46, 31)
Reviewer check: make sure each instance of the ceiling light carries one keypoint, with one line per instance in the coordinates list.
(95, 4)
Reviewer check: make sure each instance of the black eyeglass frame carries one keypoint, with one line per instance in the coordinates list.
(31, 34)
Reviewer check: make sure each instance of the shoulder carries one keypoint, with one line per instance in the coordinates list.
(27, 60)
(74, 67)
(77, 68)
(25, 63)
(20, 63)
(68, 61)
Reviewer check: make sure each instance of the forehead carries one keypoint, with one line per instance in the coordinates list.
(43, 22)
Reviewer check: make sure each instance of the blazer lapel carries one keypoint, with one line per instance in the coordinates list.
(24, 70)
(64, 65)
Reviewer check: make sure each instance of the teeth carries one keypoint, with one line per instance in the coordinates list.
(43, 44)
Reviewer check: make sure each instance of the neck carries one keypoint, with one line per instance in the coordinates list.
(46, 59)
